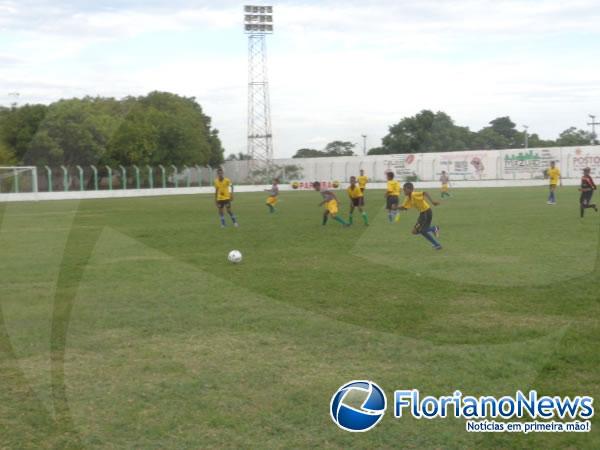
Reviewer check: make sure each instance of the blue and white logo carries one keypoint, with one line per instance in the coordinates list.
(368, 395)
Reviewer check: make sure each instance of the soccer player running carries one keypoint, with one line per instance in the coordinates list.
(587, 190)
(224, 197)
(392, 195)
(356, 200)
(445, 180)
(331, 205)
(418, 200)
(273, 194)
(554, 175)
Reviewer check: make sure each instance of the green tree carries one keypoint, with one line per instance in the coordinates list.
(309, 153)
(75, 131)
(339, 148)
(573, 137)
(7, 157)
(425, 132)
(18, 126)
(164, 128)
(500, 134)
(239, 157)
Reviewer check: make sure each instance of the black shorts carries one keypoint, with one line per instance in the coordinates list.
(391, 201)
(424, 221)
(586, 197)
(358, 201)
(223, 203)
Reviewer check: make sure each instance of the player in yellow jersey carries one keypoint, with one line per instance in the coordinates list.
(554, 175)
(392, 196)
(273, 194)
(331, 205)
(362, 181)
(445, 180)
(418, 200)
(224, 197)
(356, 200)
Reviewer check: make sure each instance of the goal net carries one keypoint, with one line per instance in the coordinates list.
(16, 179)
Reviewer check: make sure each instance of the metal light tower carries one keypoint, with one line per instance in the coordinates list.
(258, 22)
(593, 123)
(526, 135)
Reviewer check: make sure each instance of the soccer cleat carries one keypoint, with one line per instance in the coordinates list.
(436, 231)
(222, 226)
(437, 247)
(236, 224)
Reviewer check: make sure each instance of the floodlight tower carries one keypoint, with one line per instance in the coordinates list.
(258, 22)
(593, 123)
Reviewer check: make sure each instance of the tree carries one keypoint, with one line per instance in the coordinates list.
(239, 157)
(75, 131)
(339, 148)
(18, 126)
(334, 148)
(424, 132)
(500, 134)
(7, 157)
(168, 129)
(573, 137)
(309, 153)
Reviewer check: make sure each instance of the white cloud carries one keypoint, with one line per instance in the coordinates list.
(337, 70)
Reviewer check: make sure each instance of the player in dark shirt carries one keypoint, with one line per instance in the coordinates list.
(587, 190)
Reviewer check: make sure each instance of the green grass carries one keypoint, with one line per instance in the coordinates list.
(122, 325)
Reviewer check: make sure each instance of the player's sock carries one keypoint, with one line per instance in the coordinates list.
(325, 220)
(431, 239)
(390, 216)
(581, 211)
(396, 216)
(233, 219)
(350, 219)
(222, 220)
(365, 218)
(340, 220)
(271, 209)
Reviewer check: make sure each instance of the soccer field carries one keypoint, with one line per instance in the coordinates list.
(123, 325)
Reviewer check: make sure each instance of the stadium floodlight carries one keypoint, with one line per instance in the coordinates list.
(258, 22)
(526, 127)
(593, 123)
(258, 19)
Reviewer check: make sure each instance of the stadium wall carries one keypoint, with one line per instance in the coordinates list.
(478, 165)
(486, 168)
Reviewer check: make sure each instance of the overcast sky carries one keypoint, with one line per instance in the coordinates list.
(337, 69)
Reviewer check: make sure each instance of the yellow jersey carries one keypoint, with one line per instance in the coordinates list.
(362, 181)
(416, 200)
(393, 188)
(354, 192)
(222, 186)
(554, 175)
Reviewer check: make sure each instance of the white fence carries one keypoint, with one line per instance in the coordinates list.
(524, 164)
(491, 168)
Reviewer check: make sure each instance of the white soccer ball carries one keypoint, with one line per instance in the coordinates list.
(235, 256)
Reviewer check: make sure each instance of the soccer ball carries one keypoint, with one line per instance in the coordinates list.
(295, 185)
(235, 256)
(335, 184)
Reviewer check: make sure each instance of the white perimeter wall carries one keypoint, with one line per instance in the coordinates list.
(489, 168)
(464, 166)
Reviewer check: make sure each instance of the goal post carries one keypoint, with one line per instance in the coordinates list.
(17, 179)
